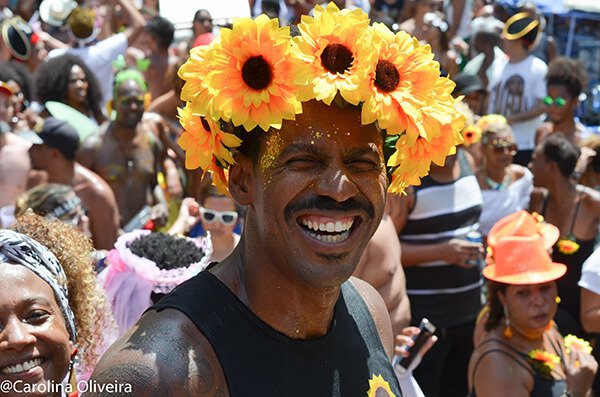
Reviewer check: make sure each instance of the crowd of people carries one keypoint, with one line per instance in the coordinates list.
(203, 200)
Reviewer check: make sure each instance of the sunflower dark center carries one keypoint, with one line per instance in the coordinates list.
(205, 124)
(257, 73)
(336, 58)
(387, 77)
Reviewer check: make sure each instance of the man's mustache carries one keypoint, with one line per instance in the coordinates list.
(328, 204)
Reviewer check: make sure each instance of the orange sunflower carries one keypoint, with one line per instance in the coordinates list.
(249, 76)
(471, 134)
(400, 82)
(202, 139)
(335, 53)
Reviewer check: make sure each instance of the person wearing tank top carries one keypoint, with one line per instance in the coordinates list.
(522, 352)
(306, 151)
(279, 316)
(575, 210)
(442, 283)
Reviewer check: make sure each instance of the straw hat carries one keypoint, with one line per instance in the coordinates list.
(519, 247)
(16, 35)
(55, 12)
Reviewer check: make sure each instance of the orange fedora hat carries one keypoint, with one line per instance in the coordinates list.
(518, 251)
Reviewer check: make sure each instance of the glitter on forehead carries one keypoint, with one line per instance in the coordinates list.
(273, 149)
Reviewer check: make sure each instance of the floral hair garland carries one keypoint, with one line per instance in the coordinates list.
(256, 75)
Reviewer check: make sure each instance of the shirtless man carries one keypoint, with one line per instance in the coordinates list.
(380, 266)
(14, 162)
(53, 151)
(127, 152)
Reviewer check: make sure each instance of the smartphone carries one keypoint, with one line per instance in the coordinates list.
(427, 330)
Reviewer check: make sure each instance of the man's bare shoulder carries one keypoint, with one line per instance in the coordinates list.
(164, 354)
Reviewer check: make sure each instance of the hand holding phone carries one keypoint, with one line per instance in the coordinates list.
(426, 331)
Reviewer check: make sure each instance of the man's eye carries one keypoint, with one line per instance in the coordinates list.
(364, 164)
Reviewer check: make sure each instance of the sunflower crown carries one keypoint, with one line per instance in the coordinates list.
(256, 75)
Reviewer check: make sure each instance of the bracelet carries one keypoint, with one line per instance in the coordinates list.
(567, 393)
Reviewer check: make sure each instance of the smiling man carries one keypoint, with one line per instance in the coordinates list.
(289, 131)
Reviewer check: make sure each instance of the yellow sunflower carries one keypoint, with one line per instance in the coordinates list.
(442, 124)
(400, 81)
(412, 162)
(249, 76)
(202, 139)
(379, 387)
(335, 53)
(194, 72)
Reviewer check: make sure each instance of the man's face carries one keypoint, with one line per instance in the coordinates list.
(202, 24)
(319, 193)
(539, 167)
(476, 101)
(40, 156)
(563, 105)
(129, 103)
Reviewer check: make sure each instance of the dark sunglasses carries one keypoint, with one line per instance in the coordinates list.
(227, 218)
(559, 101)
(501, 149)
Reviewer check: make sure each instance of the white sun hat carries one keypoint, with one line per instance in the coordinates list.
(55, 12)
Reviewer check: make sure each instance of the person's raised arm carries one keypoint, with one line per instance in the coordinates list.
(136, 20)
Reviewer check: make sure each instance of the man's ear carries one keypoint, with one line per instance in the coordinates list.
(242, 179)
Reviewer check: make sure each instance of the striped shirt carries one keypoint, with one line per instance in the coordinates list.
(444, 293)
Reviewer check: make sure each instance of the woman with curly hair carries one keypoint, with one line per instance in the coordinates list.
(67, 79)
(58, 319)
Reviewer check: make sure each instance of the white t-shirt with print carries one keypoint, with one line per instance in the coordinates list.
(514, 89)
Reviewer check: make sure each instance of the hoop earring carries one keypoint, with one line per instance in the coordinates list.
(557, 299)
(508, 333)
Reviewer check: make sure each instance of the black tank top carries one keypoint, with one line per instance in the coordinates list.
(259, 361)
(543, 386)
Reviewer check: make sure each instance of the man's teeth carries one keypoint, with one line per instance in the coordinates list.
(330, 238)
(330, 227)
(26, 366)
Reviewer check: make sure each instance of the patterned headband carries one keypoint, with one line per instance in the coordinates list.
(256, 75)
(23, 250)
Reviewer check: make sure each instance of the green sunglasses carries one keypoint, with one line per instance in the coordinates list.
(559, 101)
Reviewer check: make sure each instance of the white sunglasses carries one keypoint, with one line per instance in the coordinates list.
(227, 218)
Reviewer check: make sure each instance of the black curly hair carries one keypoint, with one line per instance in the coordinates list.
(568, 73)
(52, 79)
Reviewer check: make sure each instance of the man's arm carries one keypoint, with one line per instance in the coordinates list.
(104, 216)
(164, 354)
(136, 20)
(536, 111)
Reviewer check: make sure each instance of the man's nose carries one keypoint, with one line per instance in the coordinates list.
(335, 182)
